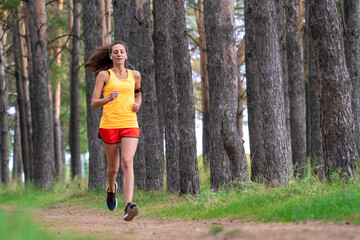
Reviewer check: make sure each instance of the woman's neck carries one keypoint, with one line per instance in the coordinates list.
(120, 69)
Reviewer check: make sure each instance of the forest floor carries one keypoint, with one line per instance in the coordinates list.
(67, 220)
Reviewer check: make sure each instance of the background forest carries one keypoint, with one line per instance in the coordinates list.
(292, 65)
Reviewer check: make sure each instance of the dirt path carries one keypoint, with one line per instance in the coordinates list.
(68, 220)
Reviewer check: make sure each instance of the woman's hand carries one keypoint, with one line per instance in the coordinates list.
(114, 94)
(136, 107)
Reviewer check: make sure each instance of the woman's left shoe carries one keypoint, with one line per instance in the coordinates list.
(111, 200)
(131, 210)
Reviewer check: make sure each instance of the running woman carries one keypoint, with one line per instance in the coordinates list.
(121, 88)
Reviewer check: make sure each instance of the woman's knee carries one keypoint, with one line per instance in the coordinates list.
(113, 169)
(127, 163)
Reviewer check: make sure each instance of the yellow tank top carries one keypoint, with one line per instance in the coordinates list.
(118, 113)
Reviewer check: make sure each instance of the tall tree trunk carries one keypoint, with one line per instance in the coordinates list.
(149, 158)
(269, 141)
(4, 149)
(39, 93)
(20, 75)
(74, 132)
(335, 89)
(27, 68)
(227, 154)
(92, 29)
(352, 54)
(17, 156)
(241, 104)
(204, 83)
(165, 75)
(58, 173)
(313, 104)
(126, 28)
(189, 174)
(284, 62)
(106, 22)
(296, 89)
(255, 115)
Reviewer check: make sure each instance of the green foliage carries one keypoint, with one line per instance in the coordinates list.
(9, 4)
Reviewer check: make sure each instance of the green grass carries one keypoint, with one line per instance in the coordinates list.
(301, 200)
(17, 224)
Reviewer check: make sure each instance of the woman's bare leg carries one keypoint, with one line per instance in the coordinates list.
(128, 149)
(113, 160)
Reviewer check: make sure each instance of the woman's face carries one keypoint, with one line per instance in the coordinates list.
(118, 54)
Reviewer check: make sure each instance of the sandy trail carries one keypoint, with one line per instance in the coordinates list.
(66, 220)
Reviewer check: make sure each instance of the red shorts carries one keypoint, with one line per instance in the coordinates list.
(115, 135)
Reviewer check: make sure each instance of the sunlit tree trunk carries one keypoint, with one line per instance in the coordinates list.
(91, 16)
(26, 68)
(204, 83)
(56, 112)
(241, 88)
(39, 93)
(106, 22)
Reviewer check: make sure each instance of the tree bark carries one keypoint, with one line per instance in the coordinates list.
(27, 68)
(17, 156)
(20, 76)
(106, 22)
(189, 174)
(74, 131)
(227, 155)
(269, 141)
(296, 90)
(352, 54)
(241, 88)
(281, 19)
(204, 83)
(39, 94)
(335, 89)
(4, 149)
(165, 75)
(313, 104)
(149, 158)
(59, 167)
(92, 30)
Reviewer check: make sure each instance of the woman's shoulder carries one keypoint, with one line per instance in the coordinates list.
(104, 74)
(135, 73)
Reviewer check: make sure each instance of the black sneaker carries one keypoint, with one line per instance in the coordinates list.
(111, 200)
(131, 210)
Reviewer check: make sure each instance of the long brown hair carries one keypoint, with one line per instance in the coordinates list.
(100, 59)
